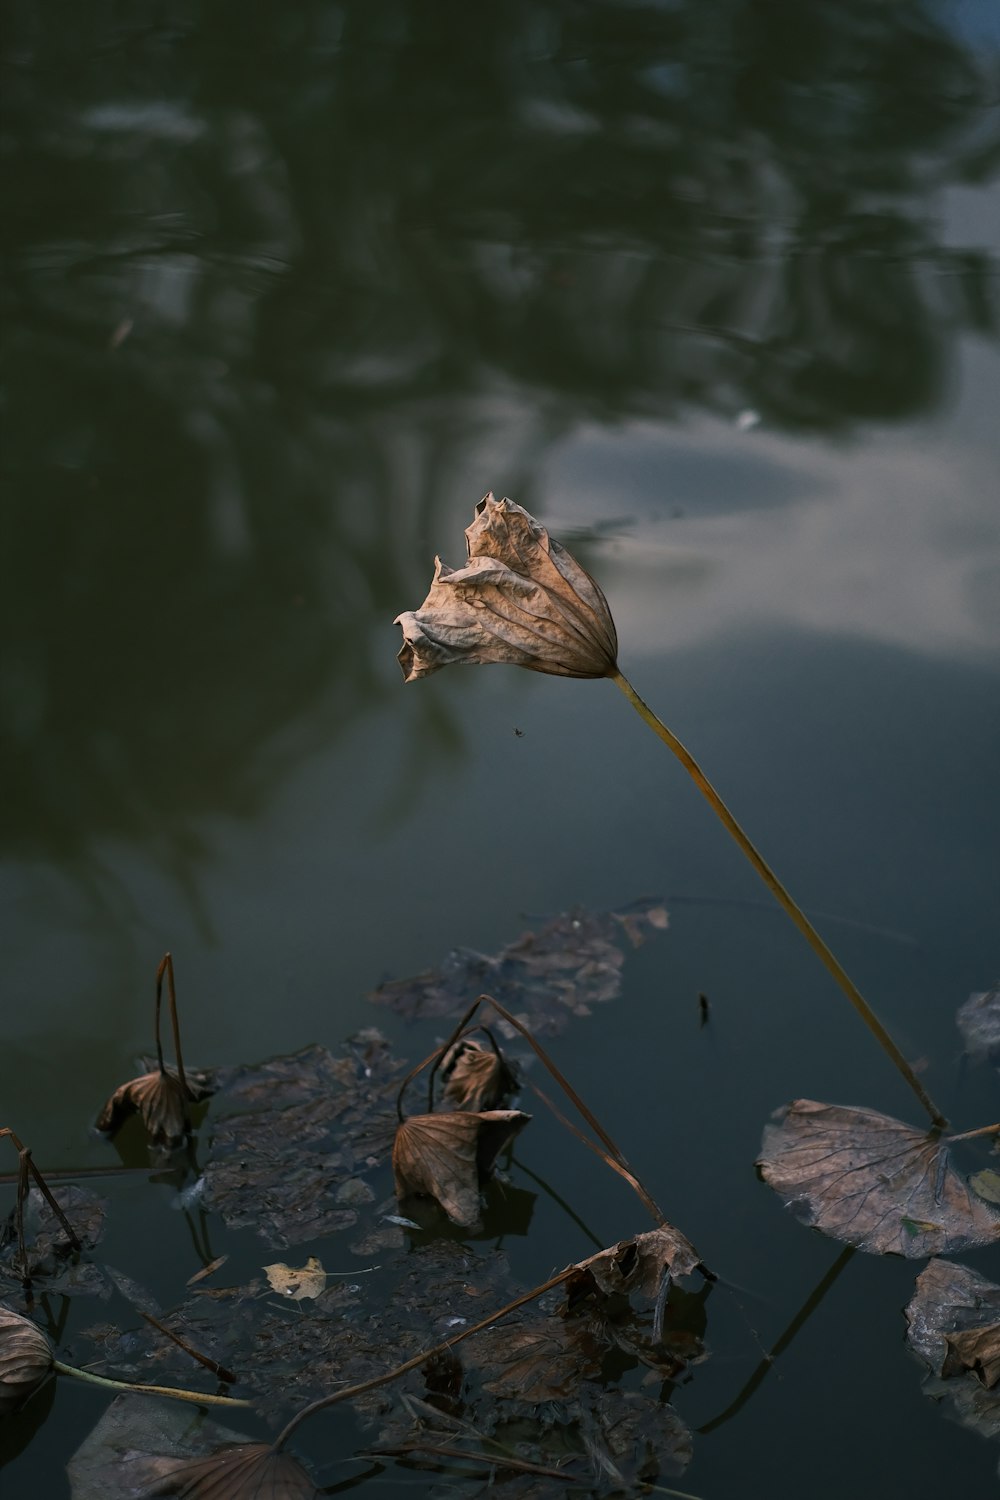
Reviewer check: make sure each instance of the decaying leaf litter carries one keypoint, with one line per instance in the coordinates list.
(859, 1176)
(315, 1131)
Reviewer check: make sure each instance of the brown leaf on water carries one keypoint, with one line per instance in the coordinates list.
(446, 1157)
(546, 977)
(953, 1323)
(476, 1078)
(161, 1101)
(521, 598)
(247, 1471)
(25, 1359)
(308, 1281)
(286, 1135)
(639, 1264)
(873, 1181)
(541, 1359)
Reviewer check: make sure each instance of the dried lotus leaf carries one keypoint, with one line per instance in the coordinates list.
(25, 1359)
(447, 1156)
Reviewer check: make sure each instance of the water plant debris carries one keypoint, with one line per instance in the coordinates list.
(872, 1181)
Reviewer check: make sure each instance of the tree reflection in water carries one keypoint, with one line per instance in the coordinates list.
(278, 282)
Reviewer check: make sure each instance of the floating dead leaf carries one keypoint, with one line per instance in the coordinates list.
(161, 1101)
(954, 1326)
(540, 1359)
(25, 1359)
(872, 1181)
(446, 1157)
(521, 598)
(247, 1471)
(209, 1270)
(287, 1134)
(640, 1264)
(476, 1078)
(986, 1184)
(979, 1023)
(545, 978)
(308, 1281)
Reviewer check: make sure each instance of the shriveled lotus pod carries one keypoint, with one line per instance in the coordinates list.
(521, 598)
(446, 1157)
(25, 1359)
(247, 1471)
(476, 1078)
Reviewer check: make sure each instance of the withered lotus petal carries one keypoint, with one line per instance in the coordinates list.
(521, 598)
(247, 1471)
(446, 1156)
(25, 1359)
(158, 1098)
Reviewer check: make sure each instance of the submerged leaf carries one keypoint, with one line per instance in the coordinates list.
(640, 1264)
(139, 1442)
(289, 1133)
(872, 1181)
(446, 1157)
(309, 1281)
(546, 976)
(954, 1326)
(161, 1101)
(476, 1077)
(521, 598)
(25, 1359)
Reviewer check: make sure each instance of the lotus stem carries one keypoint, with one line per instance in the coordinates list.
(198, 1397)
(782, 896)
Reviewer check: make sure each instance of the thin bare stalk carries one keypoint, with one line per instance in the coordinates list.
(197, 1397)
(166, 966)
(201, 1359)
(348, 1391)
(971, 1135)
(780, 894)
(609, 1161)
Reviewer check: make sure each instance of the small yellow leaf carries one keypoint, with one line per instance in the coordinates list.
(308, 1281)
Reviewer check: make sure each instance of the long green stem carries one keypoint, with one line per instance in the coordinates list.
(198, 1397)
(776, 888)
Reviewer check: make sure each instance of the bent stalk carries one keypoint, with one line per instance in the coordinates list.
(774, 885)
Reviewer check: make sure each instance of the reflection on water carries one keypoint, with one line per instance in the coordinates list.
(710, 287)
(278, 284)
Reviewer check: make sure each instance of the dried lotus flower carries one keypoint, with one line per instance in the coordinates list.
(446, 1157)
(521, 598)
(161, 1096)
(476, 1078)
(25, 1359)
(247, 1471)
(158, 1098)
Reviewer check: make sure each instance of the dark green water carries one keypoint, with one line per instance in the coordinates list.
(713, 290)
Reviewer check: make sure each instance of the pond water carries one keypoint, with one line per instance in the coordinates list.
(713, 291)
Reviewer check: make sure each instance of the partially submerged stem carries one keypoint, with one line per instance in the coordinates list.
(348, 1391)
(776, 888)
(197, 1397)
(166, 966)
